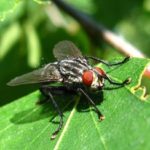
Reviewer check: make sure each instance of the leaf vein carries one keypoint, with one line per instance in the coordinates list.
(98, 129)
(66, 125)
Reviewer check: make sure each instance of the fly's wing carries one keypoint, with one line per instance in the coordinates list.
(49, 73)
(66, 49)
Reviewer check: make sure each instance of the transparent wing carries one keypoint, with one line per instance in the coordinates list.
(49, 73)
(65, 49)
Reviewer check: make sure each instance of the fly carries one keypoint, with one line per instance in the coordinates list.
(74, 72)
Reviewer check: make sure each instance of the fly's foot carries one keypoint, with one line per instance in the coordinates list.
(54, 135)
(126, 59)
(59, 128)
(127, 81)
(101, 118)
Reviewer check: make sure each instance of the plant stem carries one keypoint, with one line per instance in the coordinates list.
(97, 31)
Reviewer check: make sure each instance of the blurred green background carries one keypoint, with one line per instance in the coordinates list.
(29, 32)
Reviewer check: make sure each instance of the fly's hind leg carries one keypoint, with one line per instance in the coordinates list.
(47, 91)
(54, 90)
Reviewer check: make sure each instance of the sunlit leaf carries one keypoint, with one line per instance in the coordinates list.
(25, 125)
(7, 7)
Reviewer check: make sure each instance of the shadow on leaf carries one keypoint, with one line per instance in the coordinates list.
(46, 109)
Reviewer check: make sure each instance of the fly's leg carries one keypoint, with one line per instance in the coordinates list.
(54, 90)
(107, 63)
(61, 117)
(125, 82)
(47, 92)
(100, 116)
(45, 100)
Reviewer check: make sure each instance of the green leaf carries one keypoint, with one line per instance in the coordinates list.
(7, 7)
(42, 1)
(25, 125)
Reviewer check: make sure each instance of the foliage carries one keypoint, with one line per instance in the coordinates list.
(28, 32)
(24, 124)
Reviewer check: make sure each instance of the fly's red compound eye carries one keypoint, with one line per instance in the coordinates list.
(100, 71)
(87, 78)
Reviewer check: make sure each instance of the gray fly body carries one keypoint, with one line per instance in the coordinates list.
(69, 67)
(72, 69)
(74, 72)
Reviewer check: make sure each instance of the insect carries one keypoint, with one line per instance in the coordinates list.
(74, 72)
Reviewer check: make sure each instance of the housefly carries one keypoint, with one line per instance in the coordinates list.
(74, 73)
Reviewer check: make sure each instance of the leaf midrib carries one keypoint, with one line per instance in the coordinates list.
(67, 124)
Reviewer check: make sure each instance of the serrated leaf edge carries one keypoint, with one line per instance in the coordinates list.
(98, 129)
(133, 89)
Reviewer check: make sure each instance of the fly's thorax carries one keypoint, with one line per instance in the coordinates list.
(91, 79)
(72, 69)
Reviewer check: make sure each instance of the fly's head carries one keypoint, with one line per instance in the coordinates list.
(94, 78)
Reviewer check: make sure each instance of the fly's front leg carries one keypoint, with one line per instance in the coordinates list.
(100, 116)
(107, 63)
(125, 82)
(47, 91)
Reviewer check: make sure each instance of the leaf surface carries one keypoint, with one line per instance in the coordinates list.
(6, 7)
(25, 125)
